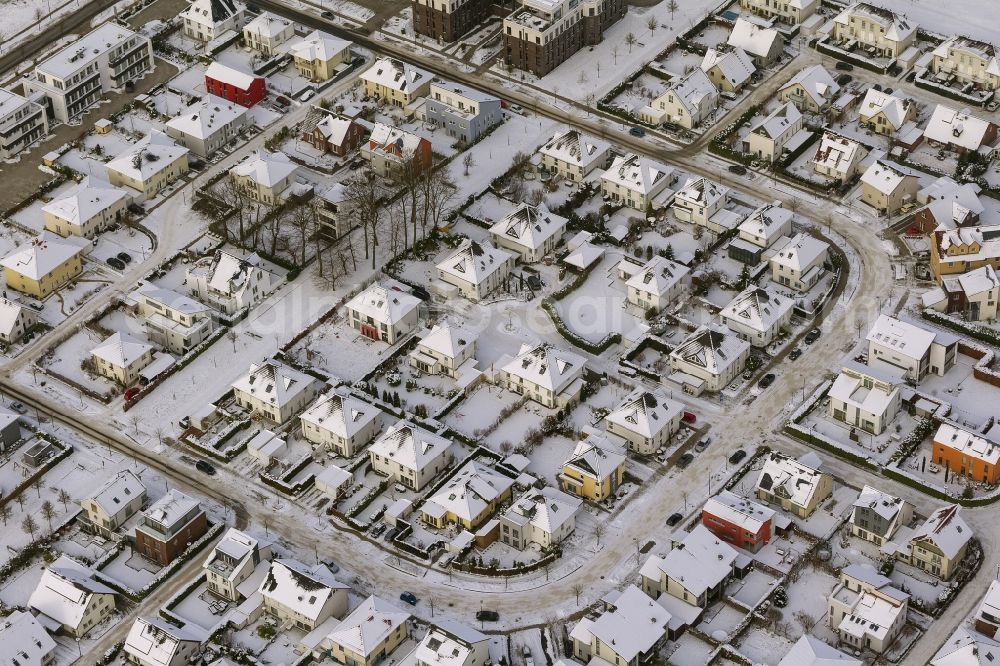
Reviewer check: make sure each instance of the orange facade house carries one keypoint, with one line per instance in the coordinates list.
(966, 453)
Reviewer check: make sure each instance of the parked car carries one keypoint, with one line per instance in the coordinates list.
(688, 417)
(136, 209)
(674, 519)
(794, 354)
(282, 101)
(685, 460)
(738, 169)
(487, 616)
(409, 598)
(845, 66)
(205, 467)
(378, 529)
(877, 86)
(766, 380)
(332, 566)
(35, 305)
(844, 79)
(738, 455)
(812, 336)
(637, 131)
(116, 263)
(327, 15)
(702, 444)
(18, 407)
(124, 257)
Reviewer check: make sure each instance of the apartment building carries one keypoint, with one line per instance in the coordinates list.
(80, 74)
(22, 123)
(447, 20)
(967, 61)
(462, 112)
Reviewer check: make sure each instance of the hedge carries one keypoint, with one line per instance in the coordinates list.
(981, 333)
(836, 53)
(594, 348)
(804, 436)
(923, 84)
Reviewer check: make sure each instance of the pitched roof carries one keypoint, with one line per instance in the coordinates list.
(816, 82)
(121, 350)
(65, 590)
(966, 647)
(448, 643)
(634, 625)
(958, 127)
(9, 314)
(837, 152)
(879, 101)
(767, 220)
(702, 192)
(882, 503)
(148, 157)
(473, 487)
(639, 174)
(548, 509)
(156, 642)
(447, 339)
(546, 366)
(903, 337)
(692, 88)
(710, 349)
(755, 39)
(304, 590)
(645, 412)
(410, 445)
(973, 47)
(393, 140)
(886, 176)
(474, 261)
(658, 276)
(24, 641)
(118, 491)
(43, 254)
(368, 626)
(757, 308)
(801, 252)
(228, 273)
(84, 202)
(529, 225)
(945, 529)
(897, 27)
(266, 168)
(273, 381)
(790, 476)
(735, 66)
(384, 305)
(226, 74)
(573, 147)
(334, 128)
(699, 561)
(319, 46)
(212, 11)
(396, 75)
(339, 412)
(780, 121)
(268, 25)
(596, 457)
(210, 115)
(811, 651)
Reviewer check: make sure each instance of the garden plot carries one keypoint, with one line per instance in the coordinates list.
(505, 556)
(547, 460)
(640, 92)
(515, 428)
(202, 608)
(762, 646)
(721, 618)
(680, 62)
(876, 447)
(481, 409)
(687, 650)
(190, 81)
(807, 593)
(831, 513)
(336, 349)
(131, 570)
(752, 589)
(66, 361)
(597, 406)
(782, 552)
(802, 167)
(920, 465)
(972, 400)
(281, 650)
(598, 307)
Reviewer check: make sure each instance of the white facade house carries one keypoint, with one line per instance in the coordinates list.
(301, 595)
(383, 313)
(865, 610)
(787, 11)
(913, 350)
(687, 103)
(838, 157)
(574, 155)
(714, 357)
(646, 420)
(798, 264)
(120, 498)
(699, 200)
(266, 32)
(629, 631)
(450, 643)
(766, 224)
(530, 231)
(959, 130)
(543, 516)
(882, 31)
(768, 137)
(444, 350)
(340, 422)
(757, 315)
(477, 269)
(24, 641)
(975, 295)
(274, 390)
(171, 320)
(230, 283)
(792, 484)
(208, 125)
(763, 43)
(233, 564)
(545, 374)
(265, 176)
(410, 455)
(206, 20)
(636, 181)
(22, 123)
(656, 284)
(695, 570)
(152, 641)
(121, 358)
(866, 397)
(811, 90)
(69, 597)
(16, 319)
(968, 61)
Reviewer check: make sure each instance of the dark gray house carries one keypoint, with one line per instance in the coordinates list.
(462, 112)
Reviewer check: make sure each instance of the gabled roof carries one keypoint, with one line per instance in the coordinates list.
(305, 590)
(546, 366)
(474, 261)
(710, 349)
(596, 457)
(226, 74)
(228, 273)
(9, 314)
(817, 83)
(785, 476)
(658, 276)
(692, 89)
(208, 12)
(957, 127)
(447, 339)
(148, 157)
(339, 412)
(757, 308)
(156, 642)
(121, 350)
(319, 46)
(448, 643)
(24, 641)
(397, 75)
(779, 122)
(334, 128)
(84, 202)
(699, 561)
(897, 27)
(702, 192)
(118, 491)
(903, 337)
(882, 503)
(966, 647)
(65, 590)
(266, 168)
(410, 445)
(529, 225)
(879, 101)
(471, 490)
(645, 413)
(384, 305)
(886, 176)
(755, 39)
(801, 252)
(273, 382)
(268, 25)
(548, 509)
(210, 115)
(811, 651)
(634, 625)
(43, 254)
(575, 148)
(639, 174)
(945, 529)
(973, 47)
(735, 66)
(368, 626)
(393, 140)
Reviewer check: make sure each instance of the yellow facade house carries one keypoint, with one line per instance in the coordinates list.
(121, 358)
(319, 54)
(44, 264)
(368, 635)
(150, 166)
(85, 212)
(469, 498)
(395, 82)
(594, 471)
(877, 30)
(969, 61)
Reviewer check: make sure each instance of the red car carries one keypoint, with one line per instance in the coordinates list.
(688, 417)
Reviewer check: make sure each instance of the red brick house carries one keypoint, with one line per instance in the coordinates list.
(168, 527)
(233, 85)
(738, 521)
(390, 148)
(336, 134)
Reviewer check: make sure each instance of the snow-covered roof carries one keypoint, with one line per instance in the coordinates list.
(121, 350)
(699, 562)
(645, 412)
(384, 305)
(174, 506)
(903, 337)
(155, 642)
(637, 173)
(548, 509)
(945, 529)
(816, 82)
(781, 120)
(84, 202)
(575, 148)
(882, 503)
(340, 413)
(82, 53)
(273, 382)
(596, 457)
(801, 252)
(710, 349)
(334, 129)
(319, 46)
(153, 154)
(43, 254)
(767, 221)
(10, 311)
(811, 651)
(396, 75)
(658, 276)
(65, 591)
(207, 117)
(368, 626)
(692, 88)
(837, 152)
(546, 366)
(758, 308)
(752, 37)
(24, 641)
(118, 491)
(168, 298)
(879, 101)
(990, 605)
(226, 74)
(964, 196)
(300, 588)
(966, 647)
(387, 139)
(234, 549)
(886, 176)
(897, 27)
(634, 625)
(266, 168)
(447, 339)
(785, 476)
(972, 47)
(736, 510)
(957, 127)
(410, 445)
(268, 25)
(228, 273)
(475, 261)
(976, 281)
(850, 387)
(210, 12)
(470, 490)
(702, 192)
(448, 643)
(735, 66)
(529, 225)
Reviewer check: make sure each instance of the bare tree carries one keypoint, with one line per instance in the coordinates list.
(630, 41)
(673, 7)
(438, 191)
(598, 532)
(614, 53)
(37, 485)
(589, 101)
(64, 498)
(5, 512)
(30, 526)
(577, 588)
(231, 195)
(20, 499)
(304, 220)
(366, 204)
(232, 337)
(48, 512)
(468, 162)
(536, 197)
(652, 23)
(135, 421)
(159, 432)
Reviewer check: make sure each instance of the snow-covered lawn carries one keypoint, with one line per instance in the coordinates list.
(478, 410)
(67, 357)
(338, 350)
(131, 570)
(721, 618)
(762, 646)
(202, 608)
(973, 401)
(688, 650)
(807, 600)
(752, 588)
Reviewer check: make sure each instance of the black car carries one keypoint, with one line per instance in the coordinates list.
(738, 169)
(136, 208)
(327, 15)
(877, 86)
(409, 598)
(738, 455)
(205, 467)
(766, 380)
(124, 257)
(674, 519)
(685, 460)
(812, 336)
(794, 354)
(844, 79)
(845, 66)
(487, 616)
(637, 131)
(116, 263)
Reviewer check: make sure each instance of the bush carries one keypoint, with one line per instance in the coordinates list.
(266, 631)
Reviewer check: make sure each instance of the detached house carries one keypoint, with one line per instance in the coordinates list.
(838, 157)
(206, 20)
(708, 360)
(738, 521)
(574, 155)
(629, 632)
(913, 350)
(959, 131)
(636, 181)
(318, 56)
(25, 641)
(762, 43)
(121, 357)
(699, 200)
(550, 376)
(530, 231)
(390, 150)
(410, 455)
(209, 125)
(876, 516)
(266, 32)
(973, 295)
(151, 166)
(395, 81)
(120, 498)
(274, 390)
(44, 264)
(938, 546)
(90, 209)
(450, 643)
(444, 350)
(265, 176)
(368, 635)
(594, 471)
(16, 319)
(729, 71)
(169, 526)
(866, 397)
(336, 134)
(812, 90)
(884, 113)
(967, 453)
(695, 570)
(171, 320)
(811, 651)
(232, 562)
(152, 641)
(67, 596)
(382, 313)
(967, 61)
(476, 269)
(340, 422)
(757, 315)
(760, 230)
(302, 596)
(646, 420)
(655, 285)
(234, 85)
(544, 516)
(887, 186)
(462, 112)
(878, 31)
(865, 610)
(798, 263)
(468, 498)
(792, 485)
(768, 137)
(687, 103)
(230, 283)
